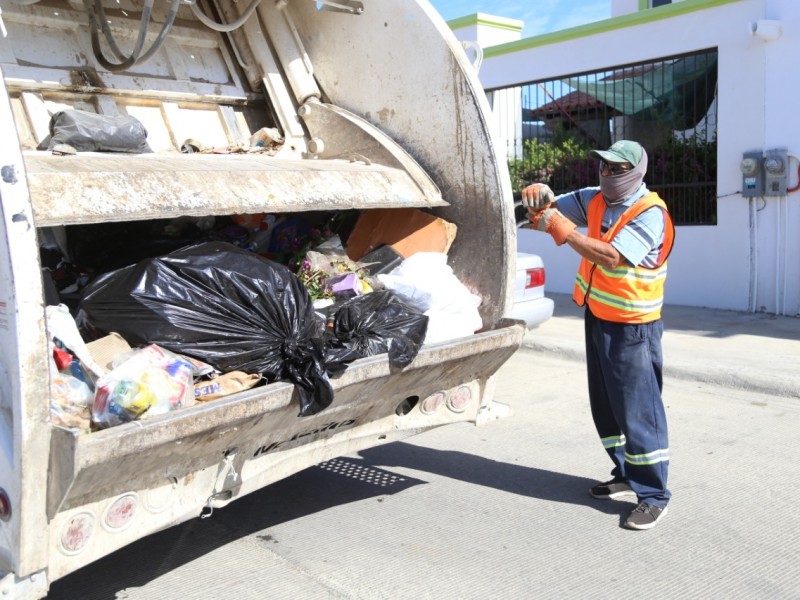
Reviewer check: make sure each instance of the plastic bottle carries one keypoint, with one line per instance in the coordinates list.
(259, 240)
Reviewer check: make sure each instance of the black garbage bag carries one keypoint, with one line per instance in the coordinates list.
(223, 305)
(373, 324)
(91, 132)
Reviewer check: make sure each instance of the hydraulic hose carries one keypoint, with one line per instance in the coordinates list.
(162, 35)
(100, 14)
(99, 22)
(224, 27)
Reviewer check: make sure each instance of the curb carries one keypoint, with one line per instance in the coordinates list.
(749, 381)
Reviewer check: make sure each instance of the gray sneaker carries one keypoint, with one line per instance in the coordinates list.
(645, 516)
(615, 489)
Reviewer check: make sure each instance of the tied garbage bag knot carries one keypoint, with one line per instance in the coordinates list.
(291, 351)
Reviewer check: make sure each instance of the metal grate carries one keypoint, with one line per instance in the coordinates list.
(668, 105)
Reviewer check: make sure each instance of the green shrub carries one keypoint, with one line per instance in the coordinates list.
(560, 163)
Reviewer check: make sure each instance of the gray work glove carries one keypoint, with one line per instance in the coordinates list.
(536, 197)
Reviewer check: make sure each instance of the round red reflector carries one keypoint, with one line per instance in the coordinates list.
(458, 400)
(76, 532)
(432, 403)
(120, 513)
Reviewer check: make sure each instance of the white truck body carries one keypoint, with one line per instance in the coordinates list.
(379, 108)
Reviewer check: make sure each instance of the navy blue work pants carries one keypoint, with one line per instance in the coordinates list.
(624, 364)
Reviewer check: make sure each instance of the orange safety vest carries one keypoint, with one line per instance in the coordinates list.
(625, 294)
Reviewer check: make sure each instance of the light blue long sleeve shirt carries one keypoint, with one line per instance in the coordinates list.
(639, 242)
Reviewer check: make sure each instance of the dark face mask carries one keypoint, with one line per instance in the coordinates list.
(618, 188)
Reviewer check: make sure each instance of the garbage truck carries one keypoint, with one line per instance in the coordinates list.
(374, 105)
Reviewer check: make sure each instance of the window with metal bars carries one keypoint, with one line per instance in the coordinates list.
(668, 105)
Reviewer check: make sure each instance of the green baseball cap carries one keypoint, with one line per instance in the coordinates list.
(621, 152)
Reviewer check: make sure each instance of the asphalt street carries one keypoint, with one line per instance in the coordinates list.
(502, 510)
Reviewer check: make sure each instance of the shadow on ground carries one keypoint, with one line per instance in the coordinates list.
(333, 483)
(705, 322)
(477, 470)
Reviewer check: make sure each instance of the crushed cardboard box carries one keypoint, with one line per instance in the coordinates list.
(106, 348)
(407, 230)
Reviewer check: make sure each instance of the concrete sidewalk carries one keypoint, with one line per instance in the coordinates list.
(756, 352)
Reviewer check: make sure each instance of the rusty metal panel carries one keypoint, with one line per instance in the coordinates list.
(94, 188)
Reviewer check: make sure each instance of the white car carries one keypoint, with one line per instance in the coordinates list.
(530, 303)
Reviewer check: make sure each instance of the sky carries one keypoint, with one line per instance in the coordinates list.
(539, 16)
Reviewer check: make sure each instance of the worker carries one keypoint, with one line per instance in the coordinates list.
(620, 281)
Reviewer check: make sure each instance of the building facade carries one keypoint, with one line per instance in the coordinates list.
(749, 260)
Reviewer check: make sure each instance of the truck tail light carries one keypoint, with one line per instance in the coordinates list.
(534, 277)
(5, 506)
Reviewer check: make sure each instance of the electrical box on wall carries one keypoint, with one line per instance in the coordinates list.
(752, 168)
(776, 172)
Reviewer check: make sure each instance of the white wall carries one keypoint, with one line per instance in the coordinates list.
(506, 108)
(623, 7)
(488, 30)
(732, 265)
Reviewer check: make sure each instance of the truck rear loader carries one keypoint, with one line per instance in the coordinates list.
(377, 107)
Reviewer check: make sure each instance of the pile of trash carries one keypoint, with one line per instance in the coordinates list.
(201, 308)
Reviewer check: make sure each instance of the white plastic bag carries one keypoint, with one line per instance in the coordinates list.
(62, 326)
(429, 283)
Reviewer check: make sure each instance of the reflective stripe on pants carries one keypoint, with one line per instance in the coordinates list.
(624, 366)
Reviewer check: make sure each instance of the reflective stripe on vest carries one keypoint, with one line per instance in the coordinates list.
(624, 294)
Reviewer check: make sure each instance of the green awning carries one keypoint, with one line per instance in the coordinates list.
(678, 92)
